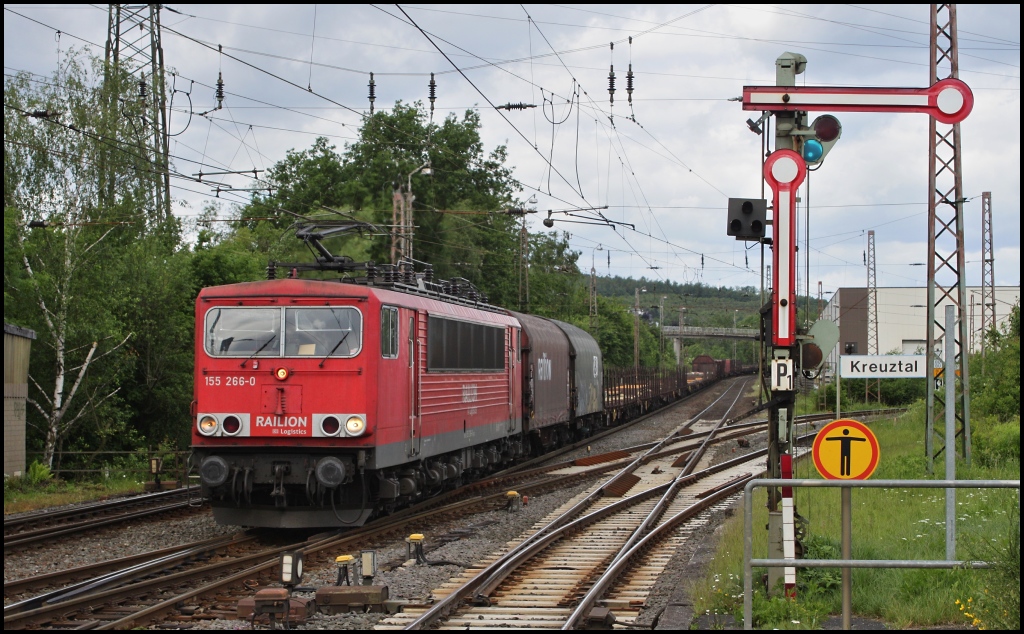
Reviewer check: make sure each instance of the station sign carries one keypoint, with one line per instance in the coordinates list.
(882, 366)
(845, 449)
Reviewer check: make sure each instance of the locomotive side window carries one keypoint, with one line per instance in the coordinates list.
(459, 345)
(323, 332)
(389, 332)
(236, 332)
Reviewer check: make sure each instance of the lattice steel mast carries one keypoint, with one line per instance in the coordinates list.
(988, 274)
(872, 387)
(946, 266)
(133, 42)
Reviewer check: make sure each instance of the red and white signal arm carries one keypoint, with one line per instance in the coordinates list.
(784, 170)
(948, 101)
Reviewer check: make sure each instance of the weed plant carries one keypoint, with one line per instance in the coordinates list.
(38, 488)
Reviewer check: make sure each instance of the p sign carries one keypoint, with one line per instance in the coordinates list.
(782, 375)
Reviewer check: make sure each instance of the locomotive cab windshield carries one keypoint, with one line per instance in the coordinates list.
(333, 331)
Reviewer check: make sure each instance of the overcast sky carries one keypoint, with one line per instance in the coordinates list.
(295, 72)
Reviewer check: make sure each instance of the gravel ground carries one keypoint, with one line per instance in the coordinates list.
(111, 543)
(453, 544)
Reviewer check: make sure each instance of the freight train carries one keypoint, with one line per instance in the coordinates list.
(325, 403)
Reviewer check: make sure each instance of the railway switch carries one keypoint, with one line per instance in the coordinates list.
(272, 605)
(341, 599)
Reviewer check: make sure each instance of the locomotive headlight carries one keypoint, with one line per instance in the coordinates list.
(207, 425)
(281, 374)
(355, 425)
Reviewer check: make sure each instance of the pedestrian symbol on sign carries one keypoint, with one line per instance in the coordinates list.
(845, 450)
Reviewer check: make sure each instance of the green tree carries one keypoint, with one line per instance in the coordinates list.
(57, 141)
(995, 379)
(460, 224)
(160, 312)
(86, 255)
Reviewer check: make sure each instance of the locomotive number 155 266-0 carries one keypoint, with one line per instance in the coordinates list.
(230, 381)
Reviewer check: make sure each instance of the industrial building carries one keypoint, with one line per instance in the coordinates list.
(902, 316)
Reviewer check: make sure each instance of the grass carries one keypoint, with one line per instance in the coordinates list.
(887, 524)
(29, 494)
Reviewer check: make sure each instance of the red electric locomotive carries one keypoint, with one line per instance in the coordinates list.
(319, 403)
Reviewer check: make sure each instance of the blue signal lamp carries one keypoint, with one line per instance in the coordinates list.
(813, 151)
(818, 138)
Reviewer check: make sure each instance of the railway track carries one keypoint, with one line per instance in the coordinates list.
(536, 583)
(34, 528)
(124, 600)
(609, 556)
(207, 579)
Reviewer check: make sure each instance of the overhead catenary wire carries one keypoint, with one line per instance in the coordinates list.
(637, 206)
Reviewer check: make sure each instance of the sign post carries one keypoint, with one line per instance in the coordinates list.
(846, 450)
(949, 377)
(886, 366)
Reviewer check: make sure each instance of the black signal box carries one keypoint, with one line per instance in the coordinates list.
(747, 218)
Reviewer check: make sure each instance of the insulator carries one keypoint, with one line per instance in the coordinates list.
(433, 91)
(629, 84)
(611, 84)
(220, 91)
(373, 92)
(142, 88)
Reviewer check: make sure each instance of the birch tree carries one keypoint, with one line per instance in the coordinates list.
(75, 183)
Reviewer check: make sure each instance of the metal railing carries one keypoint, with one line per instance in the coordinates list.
(749, 563)
(106, 463)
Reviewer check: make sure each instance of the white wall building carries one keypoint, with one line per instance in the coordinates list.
(902, 313)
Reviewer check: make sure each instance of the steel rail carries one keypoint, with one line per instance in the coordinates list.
(52, 532)
(662, 531)
(487, 580)
(90, 571)
(89, 509)
(150, 566)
